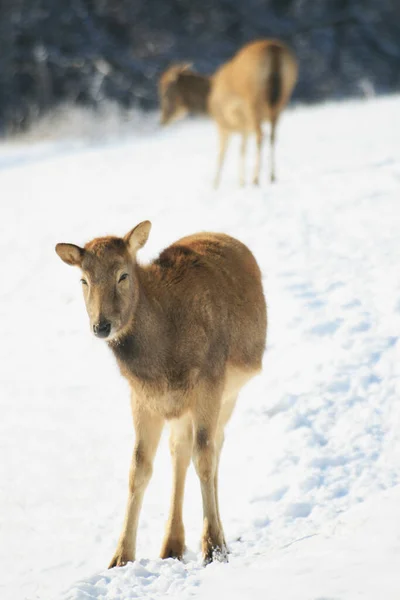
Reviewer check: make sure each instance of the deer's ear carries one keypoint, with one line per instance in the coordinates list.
(137, 237)
(178, 69)
(185, 67)
(70, 254)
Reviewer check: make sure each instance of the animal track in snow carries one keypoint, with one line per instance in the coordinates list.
(327, 328)
(298, 510)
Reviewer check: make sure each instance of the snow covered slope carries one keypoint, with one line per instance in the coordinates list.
(310, 473)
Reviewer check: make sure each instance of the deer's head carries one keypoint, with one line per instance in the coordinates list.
(108, 277)
(172, 102)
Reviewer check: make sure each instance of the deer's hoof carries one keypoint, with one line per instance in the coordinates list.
(120, 559)
(216, 554)
(173, 548)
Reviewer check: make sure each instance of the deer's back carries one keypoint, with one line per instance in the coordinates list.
(216, 299)
(240, 86)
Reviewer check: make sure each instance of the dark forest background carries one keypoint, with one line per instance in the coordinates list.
(87, 51)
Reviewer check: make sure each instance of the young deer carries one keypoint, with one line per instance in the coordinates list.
(254, 86)
(188, 330)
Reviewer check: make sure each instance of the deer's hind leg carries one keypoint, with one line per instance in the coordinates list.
(254, 125)
(243, 148)
(181, 445)
(272, 148)
(225, 414)
(223, 144)
(259, 142)
(205, 457)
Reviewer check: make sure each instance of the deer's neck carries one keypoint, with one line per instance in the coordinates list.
(195, 90)
(141, 352)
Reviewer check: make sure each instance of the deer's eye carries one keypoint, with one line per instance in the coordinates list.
(123, 277)
(83, 281)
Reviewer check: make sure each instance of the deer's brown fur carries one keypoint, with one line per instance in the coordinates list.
(254, 86)
(187, 330)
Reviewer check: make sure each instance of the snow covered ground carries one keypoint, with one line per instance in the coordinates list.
(310, 474)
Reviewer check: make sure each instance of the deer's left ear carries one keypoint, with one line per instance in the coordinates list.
(70, 254)
(137, 237)
(176, 70)
(185, 67)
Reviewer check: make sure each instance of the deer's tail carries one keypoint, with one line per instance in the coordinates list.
(274, 80)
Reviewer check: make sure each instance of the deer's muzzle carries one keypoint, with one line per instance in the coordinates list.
(102, 329)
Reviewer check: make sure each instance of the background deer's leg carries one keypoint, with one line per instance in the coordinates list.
(181, 445)
(223, 144)
(259, 141)
(148, 428)
(243, 148)
(205, 423)
(272, 148)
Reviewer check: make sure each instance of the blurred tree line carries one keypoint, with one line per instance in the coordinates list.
(85, 51)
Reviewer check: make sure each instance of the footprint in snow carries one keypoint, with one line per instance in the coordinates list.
(282, 406)
(360, 327)
(387, 343)
(302, 290)
(305, 291)
(298, 510)
(335, 285)
(352, 304)
(316, 303)
(327, 328)
(274, 496)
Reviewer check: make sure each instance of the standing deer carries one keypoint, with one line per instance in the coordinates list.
(188, 331)
(254, 86)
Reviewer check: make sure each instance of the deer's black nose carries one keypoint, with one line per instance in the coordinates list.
(102, 329)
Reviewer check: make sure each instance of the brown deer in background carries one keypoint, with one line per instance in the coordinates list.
(254, 86)
(188, 330)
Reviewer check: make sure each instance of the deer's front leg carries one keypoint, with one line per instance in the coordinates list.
(148, 428)
(223, 144)
(181, 444)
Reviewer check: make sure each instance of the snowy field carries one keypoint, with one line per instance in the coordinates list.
(310, 473)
